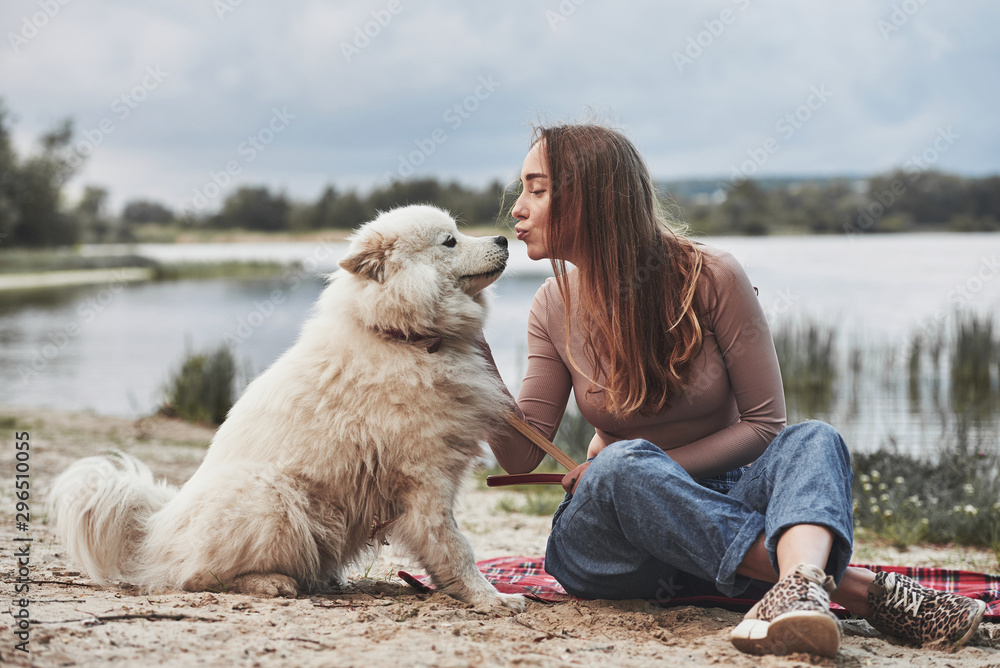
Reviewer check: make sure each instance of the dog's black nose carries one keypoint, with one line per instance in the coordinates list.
(501, 241)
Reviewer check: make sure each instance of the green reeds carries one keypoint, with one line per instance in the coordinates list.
(808, 359)
(975, 366)
(203, 389)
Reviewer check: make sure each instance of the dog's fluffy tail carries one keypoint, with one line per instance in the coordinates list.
(101, 507)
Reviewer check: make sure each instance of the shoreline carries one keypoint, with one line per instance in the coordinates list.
(151, 270)
(63, 279)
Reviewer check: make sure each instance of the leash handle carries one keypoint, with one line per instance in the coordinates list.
(524, 479)
(545, 444)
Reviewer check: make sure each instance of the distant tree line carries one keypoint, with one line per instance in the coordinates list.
(258, 208)
(33, 210)
(900, 201)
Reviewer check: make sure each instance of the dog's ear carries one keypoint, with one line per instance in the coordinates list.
(369, 260)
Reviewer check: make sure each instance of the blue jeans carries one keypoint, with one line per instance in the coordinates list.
(638, 526)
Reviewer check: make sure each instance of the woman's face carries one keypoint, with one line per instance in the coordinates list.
(532, 208)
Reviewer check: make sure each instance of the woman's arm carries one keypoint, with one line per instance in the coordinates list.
(751, 365)
(542, 398)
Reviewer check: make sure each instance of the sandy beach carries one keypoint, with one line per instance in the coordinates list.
(75, 622)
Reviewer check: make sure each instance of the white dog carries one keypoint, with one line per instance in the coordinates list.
(364, 429)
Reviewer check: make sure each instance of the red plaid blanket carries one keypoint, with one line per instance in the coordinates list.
(523, 575)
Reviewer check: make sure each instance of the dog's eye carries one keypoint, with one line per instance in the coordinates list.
(450, 242)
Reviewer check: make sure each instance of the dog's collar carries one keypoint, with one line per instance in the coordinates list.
(432, 343)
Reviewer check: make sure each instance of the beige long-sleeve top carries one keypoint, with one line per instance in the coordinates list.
(733, 407)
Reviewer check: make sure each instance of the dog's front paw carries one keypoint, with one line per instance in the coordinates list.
(340, 587)
(504, 602)
(265, 585)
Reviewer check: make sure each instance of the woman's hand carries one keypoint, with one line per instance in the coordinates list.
(596, 445)
(572, 479)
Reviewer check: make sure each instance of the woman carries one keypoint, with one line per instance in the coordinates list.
(693, 483)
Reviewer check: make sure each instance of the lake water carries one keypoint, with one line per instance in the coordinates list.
(110, 348)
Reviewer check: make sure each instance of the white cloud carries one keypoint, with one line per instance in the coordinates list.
(355, 119)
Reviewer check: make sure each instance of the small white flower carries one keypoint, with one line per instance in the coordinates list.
(971, 509)
(874, 510)
(899, 480)
(875, 476)
(934, 500)
(882, 487)
(914, 500)
(864, 477)
(969, 489)
(888, 513)
(883, 498)
(924, 521)
(956, 509)
(867, 487)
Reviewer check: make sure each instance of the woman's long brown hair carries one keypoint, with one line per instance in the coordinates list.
(636, 274)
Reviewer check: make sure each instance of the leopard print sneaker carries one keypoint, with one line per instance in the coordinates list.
(794, 616)
(900, 607)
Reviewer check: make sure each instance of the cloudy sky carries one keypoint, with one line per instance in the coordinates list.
(172, 97)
